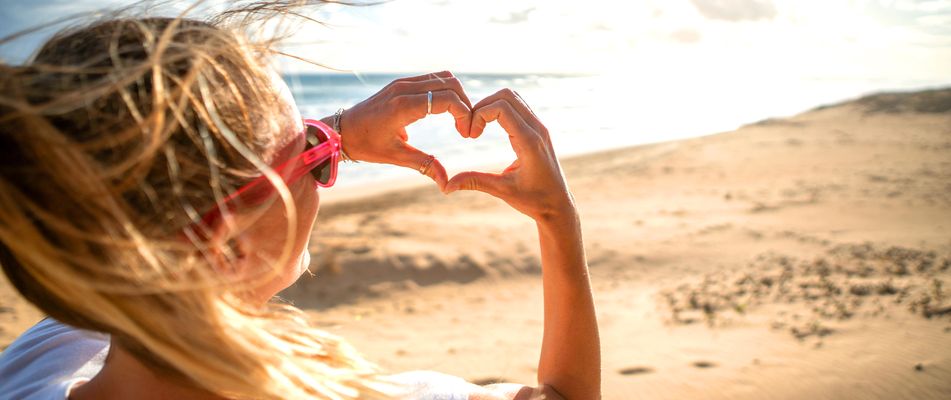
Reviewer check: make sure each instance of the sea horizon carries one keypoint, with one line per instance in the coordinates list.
(588, 113)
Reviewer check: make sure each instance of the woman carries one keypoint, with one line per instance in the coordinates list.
(158, 187)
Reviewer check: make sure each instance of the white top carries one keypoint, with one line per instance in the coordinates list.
(50, 358)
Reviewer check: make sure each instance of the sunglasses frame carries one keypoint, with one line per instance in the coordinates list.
(315, 153)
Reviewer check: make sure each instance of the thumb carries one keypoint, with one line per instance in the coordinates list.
(492, 184)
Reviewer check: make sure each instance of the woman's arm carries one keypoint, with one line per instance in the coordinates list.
(571, 354)
(570, 360)
(374, 131)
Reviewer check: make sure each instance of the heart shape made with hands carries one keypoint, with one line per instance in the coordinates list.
(533, 183)
(375, 132)
(496, 108)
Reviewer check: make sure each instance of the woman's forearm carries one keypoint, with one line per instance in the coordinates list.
(571, 352)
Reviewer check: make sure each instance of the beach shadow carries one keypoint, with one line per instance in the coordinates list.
(490, 381)
(367, 277)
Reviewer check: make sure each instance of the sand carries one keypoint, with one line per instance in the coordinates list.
(805, 257)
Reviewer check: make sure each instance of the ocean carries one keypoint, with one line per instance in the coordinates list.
(586, 113)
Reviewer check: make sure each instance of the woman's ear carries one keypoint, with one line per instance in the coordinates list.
(228, 247)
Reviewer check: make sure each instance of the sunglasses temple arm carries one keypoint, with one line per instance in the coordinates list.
(312, 158)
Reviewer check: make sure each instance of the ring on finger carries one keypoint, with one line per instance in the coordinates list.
(424, 168)
(429, 102)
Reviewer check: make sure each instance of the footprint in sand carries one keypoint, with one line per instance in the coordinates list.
(704, 364)
(635, 370)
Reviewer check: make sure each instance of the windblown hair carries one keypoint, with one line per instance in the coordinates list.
(114, 139)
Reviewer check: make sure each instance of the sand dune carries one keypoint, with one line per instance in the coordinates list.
(807, 257)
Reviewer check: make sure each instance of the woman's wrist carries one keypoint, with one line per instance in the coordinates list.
(338, 126)
(558, 211)
(563, 219)
(336, 122)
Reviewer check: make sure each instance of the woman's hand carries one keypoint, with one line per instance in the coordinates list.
(533, 184)
(375, 130)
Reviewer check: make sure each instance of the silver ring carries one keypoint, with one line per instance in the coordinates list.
(429, 102)
(426, 164)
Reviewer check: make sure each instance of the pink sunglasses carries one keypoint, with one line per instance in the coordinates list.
(319, 158)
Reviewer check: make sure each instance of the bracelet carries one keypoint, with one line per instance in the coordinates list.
(336, 126)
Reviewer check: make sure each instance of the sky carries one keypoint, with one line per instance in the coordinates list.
(640, 71)
(822, 39)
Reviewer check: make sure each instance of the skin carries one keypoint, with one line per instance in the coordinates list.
(374, 131)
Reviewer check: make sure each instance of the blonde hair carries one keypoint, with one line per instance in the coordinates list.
(113, 140)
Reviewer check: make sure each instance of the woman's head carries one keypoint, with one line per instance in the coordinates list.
(115, 141)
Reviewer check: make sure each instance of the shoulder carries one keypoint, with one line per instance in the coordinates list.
(47, 359)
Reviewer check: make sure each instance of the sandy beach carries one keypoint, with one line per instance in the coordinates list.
(805, 257)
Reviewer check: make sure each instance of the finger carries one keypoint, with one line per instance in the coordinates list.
(438, 174)
(438, 83)
(425, 77)
(522, 100)
(417, 160)
(414, 106)
(520, 133)
(493, 184)
(517, 103)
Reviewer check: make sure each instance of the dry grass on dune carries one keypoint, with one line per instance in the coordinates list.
(846, 281)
